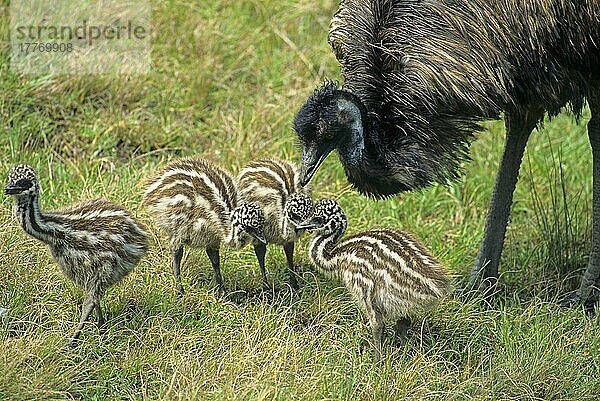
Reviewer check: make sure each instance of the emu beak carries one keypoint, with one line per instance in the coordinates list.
(312, 157)
(257, 235)
(13, 189)
(307, 225)
(295, 224)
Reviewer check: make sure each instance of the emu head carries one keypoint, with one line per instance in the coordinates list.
(329, 119)
(247, 223)
(22, 181)
(328, 218)
(386, 148)
(298, 208)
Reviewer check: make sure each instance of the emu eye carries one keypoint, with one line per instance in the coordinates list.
(24, 183)
(324, 131)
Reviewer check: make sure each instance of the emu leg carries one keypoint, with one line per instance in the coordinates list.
(374, 316)
(89, 304)
(484, 274)
(590, 282)
(402, 326)
(260, 250)
(289, 255)
(177, 254)
(215, 260)
(101, 320)
(377, 325)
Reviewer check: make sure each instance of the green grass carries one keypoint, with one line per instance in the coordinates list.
(227, 78)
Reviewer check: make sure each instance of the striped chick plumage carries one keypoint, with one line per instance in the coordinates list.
(274, 185)
(388, 272)
(95, 243)
(193, 202)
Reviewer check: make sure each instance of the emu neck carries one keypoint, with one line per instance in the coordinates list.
(352, 148)
(361, 149)
(372, 166)
(354, 118)
(33, 221)
(321, 248)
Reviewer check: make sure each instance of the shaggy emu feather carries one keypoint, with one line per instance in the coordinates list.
(419, 76)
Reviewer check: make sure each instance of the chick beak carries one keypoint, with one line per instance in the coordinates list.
(307, 225)
(256, 234)
(312, 157)
(295, 223)
(13, 189)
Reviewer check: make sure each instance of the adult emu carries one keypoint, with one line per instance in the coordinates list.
(419, 75)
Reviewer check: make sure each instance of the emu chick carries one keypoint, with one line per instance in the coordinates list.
(388, 272)
(194, 202)
(95, 243)
(274, 185)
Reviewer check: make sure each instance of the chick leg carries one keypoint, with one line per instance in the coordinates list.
(89, 304)
(177, 254)
(101, 320)
(402, 326)
(289, 255)
(213, 255)
(260, 250)
(377, 325)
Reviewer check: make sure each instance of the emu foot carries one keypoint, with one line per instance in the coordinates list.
(467, 293)
(268, 292)
(589, 304)
(221, 293)
(102, 327)
(266, 287)
(486, 288)
(293, 281)
(401, 331)
(378, 356)
(73, 342)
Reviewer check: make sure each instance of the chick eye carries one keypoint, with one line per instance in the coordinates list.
(23, 183)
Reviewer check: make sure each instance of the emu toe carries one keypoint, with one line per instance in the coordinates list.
(401, 330)
(589, 304)
(294, 282)
(466, 294)
(73, 342)
(485, 289)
